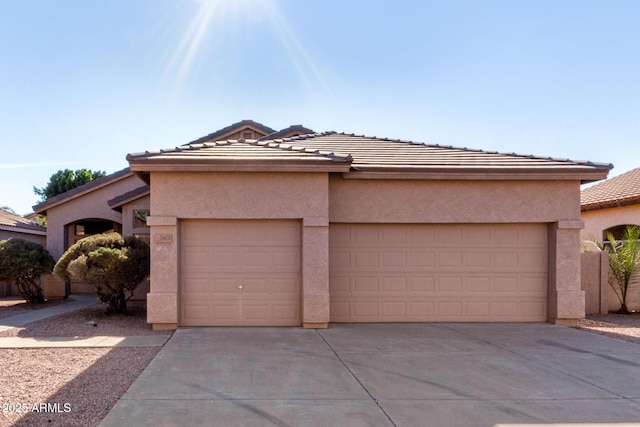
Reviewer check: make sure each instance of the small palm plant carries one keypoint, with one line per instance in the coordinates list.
(624, 261)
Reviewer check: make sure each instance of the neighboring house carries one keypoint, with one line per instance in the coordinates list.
(336, 227)
(609, 207)
(15, 226)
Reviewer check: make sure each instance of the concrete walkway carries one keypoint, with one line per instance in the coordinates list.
(77, 302)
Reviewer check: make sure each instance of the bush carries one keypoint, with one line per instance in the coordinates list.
(115, 266)
(624, 261)
(23, 263)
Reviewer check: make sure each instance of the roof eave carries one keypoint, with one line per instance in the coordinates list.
(23, 230)
(141, 166)
(479, 173)
(606, 204)
(117, 202)
(74, 193)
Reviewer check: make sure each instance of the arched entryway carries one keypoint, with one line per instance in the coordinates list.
(78, 230)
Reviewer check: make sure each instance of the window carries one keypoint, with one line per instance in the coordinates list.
(79, 231)
(617, 231)
(140, 218)
(247, 135)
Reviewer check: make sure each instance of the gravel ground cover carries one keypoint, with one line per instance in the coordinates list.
(88, 322)
(78, 386)
(621, 326)
(71, 386)
(13, 306)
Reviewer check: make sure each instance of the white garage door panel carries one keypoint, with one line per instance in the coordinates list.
(236, 272)
(436, 272)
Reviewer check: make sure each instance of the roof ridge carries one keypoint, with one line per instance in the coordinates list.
(226, 129)
(280, 144)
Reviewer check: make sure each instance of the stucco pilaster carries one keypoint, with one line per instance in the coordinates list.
(162, 300)
(566, 298)
(315, 272)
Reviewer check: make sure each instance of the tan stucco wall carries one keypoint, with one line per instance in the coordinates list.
(596, 221)
(319, 199)
(599, 294)
(593, 281)
(90, 205)
(356, 200)
(185, 195)
(239, 195)
(35, 238)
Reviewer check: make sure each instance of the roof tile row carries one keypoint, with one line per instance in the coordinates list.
(8, 219)
(621, 190)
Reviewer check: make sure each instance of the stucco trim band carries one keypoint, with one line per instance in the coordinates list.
(443, 173)
(162, 220)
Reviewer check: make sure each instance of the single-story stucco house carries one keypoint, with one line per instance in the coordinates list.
(334, 227)
(303, 229)
(16, 226)
(609, 207)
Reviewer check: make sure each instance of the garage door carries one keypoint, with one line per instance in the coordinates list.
(438, 273)
(240, 273)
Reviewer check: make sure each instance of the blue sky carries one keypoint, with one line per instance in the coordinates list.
(83, 83)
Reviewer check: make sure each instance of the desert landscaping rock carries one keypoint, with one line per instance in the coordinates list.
(86, 382)
(621, 326)
(88, 322)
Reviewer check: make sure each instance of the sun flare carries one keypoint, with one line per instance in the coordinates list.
(210, 20)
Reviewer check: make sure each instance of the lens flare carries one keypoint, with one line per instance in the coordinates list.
(212, 15)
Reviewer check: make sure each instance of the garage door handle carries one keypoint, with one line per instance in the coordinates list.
(240, 287)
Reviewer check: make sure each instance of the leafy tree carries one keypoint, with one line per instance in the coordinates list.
(22, 263)
(114, 265)
(65, 180)
(624, 261)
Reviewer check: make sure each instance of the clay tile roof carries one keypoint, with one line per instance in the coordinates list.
(9, 220)
(371, 153)
(236, 126)
(293, 130)
(366, 154)
(239, 155)
(621, 190)
(241, 150)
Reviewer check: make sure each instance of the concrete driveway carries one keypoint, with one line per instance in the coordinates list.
(385, 374)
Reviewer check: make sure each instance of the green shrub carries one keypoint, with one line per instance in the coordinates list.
(23, 263)
(115, 266)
